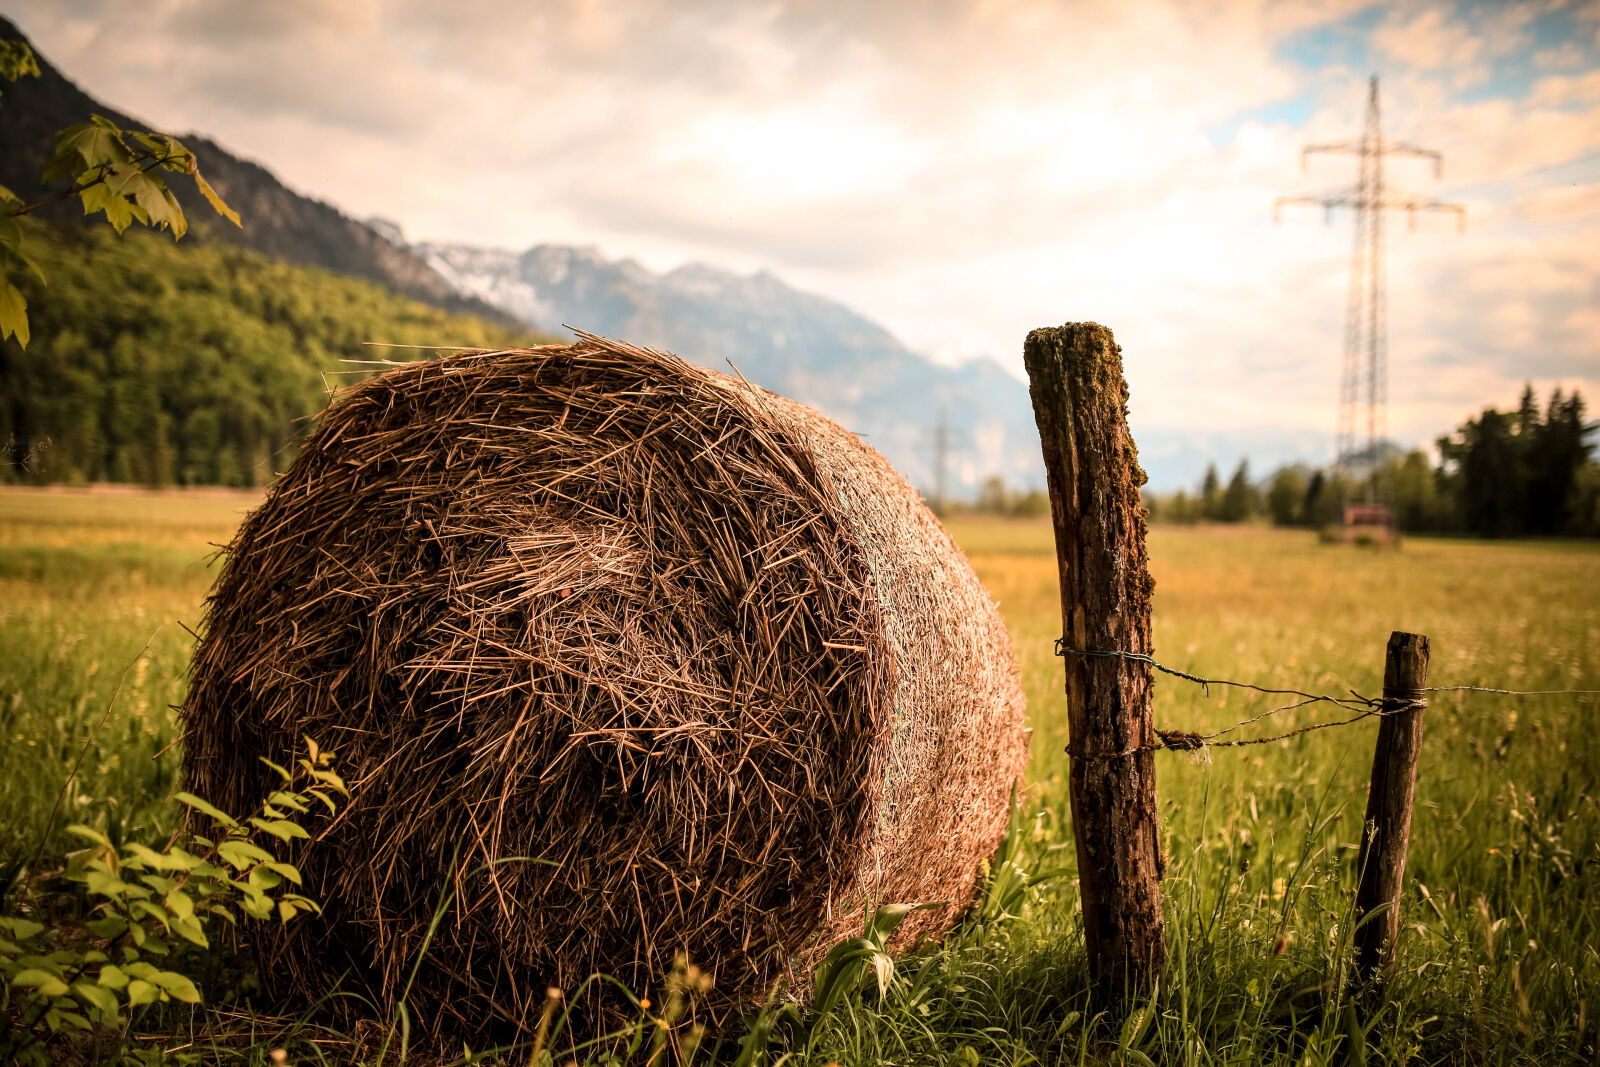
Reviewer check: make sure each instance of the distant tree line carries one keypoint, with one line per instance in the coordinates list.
(186, 364)
(1527, 472)
(995, 497)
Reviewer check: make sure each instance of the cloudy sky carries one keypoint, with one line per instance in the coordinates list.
(960, 171)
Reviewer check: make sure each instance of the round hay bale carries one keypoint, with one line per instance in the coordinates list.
(694, 645)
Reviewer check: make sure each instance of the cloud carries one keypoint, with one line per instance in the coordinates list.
(961, 170)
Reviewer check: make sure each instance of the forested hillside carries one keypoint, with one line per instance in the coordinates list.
(187, 363)
(278, 221)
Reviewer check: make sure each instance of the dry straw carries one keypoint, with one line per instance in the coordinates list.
(693, 646)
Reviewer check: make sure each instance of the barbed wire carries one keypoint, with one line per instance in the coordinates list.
(1391, 703)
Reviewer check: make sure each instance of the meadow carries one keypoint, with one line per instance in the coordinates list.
(1500, 954)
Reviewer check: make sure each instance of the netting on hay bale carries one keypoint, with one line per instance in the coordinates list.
(694, 644)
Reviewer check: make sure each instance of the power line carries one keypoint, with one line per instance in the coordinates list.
(1364, 376)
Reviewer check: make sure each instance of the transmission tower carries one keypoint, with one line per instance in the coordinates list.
(1364, 379)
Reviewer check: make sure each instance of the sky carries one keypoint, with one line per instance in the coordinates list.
(962, 171)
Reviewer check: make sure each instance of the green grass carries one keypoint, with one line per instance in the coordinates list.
(1500, 953)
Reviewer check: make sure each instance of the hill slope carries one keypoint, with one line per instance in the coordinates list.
(159, 362)
(278, 222)
(799, 344)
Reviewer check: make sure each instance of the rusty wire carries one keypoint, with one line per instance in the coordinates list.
(1364, 707)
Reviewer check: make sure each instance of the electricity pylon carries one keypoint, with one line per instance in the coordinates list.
(1365, 375)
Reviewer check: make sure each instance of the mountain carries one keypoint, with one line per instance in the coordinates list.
(795, 343)
(198, 364)
(278, 222)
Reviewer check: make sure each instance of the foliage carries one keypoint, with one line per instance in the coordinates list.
(191, 364)
(1240, 501)
(1527, 472)
(1502, 872)
(1285, 496)
(997, 498)
(109, 170)
(1513, 474)
(142, 907)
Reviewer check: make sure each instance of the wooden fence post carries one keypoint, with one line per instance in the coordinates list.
(1387, 829)
(1080, 404)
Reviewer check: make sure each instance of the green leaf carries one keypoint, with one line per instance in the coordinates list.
(104, 883)
(58, 1020)
(17, 60)
(180, 223)
(264, 879)
(119, 213)
(178, 904)
(98, 997)
(189, 928)
(13, 313)
(108, 927)
(142, 992)
(178, 985)
(288, 870)
(839, 973)
(284, 798)
(305, 904)
(241, 854)
(46, 983)
(216, 201)
(256, 904)
(8, 197)
(889, 916)
(84, 146)
(174, 859)
(285, 775)
(112, 977)
(148, 195)
(204, 808)
(89, 833)
(282, 829)
(143, 908)
(332, 780)
(21, 928)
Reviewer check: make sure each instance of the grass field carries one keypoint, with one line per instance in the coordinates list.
(1500, 953)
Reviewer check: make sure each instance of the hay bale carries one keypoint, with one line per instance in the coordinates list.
(692, 642)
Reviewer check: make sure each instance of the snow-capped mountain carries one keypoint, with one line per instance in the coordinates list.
(795, 343)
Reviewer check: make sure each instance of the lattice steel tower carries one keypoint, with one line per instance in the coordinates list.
(1364, 379)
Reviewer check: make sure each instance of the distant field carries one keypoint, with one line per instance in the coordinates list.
(1502, 926)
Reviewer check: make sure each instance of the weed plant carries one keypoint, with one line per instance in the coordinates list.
(1499, 960)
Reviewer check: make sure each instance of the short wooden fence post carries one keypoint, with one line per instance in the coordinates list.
(1080, 404)
(1387, 829)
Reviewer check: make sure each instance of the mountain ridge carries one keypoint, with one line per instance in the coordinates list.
(803, 345)
(278, 221)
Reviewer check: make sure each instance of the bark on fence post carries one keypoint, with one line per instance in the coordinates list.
(1387, 829)
(1080, 403)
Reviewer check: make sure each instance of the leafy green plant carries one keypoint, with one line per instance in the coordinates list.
(124, 950)
(112, 171)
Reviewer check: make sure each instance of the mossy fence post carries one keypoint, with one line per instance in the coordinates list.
(1080, 403)
(1387, 829)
